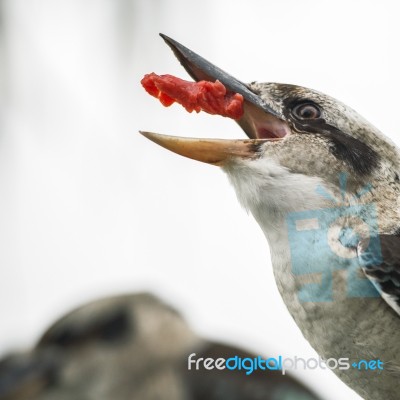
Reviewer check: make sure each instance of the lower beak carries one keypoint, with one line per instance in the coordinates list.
(211, 151)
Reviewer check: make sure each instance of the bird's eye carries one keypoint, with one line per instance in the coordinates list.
(306, 111)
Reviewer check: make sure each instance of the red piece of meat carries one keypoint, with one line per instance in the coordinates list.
(211, 97)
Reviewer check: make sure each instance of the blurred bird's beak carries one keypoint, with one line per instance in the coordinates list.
(260, 122)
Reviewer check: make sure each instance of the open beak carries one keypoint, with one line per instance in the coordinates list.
(260, 121)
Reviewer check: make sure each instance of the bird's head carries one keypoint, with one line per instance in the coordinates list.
(299, 140)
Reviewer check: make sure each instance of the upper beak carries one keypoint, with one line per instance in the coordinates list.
(260, 121)
(200, 69)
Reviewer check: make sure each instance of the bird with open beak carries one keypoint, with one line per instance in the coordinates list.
(323, 184)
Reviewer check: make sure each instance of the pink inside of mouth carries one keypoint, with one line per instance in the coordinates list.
(270, 128)
(259, 124)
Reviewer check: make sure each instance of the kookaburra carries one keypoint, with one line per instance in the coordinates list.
(134, 347)
(324, 186)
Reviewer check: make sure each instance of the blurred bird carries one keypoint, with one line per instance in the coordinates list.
(133, 347)
(324, 185)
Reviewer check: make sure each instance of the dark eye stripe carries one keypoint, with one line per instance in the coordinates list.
(108, 327)
(360, 157)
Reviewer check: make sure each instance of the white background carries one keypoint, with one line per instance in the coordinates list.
(88, 207)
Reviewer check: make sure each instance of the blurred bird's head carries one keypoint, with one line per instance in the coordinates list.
(115, 347)
(299, 140)
(134, 346)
